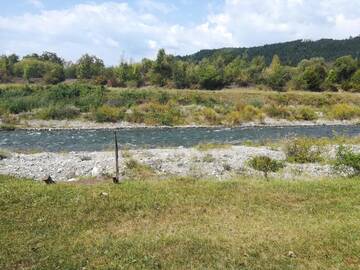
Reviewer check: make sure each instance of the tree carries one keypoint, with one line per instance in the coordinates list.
(209, 77)
(54, 73)
(89, 67)
(266, 165)
(355, 81)
(344, 67)
(179, 75)
(161, 71)
(312, 74)
(52, 57)
(276, 76)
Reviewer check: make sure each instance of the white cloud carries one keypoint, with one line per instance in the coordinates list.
(112, 28)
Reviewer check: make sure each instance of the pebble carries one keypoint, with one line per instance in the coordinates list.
(181, 162)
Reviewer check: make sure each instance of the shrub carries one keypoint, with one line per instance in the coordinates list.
(209, 158)
(303, 150)
(58, 112)
(305, 113)
(347, 160)
(210, 115)
(251, 113)
(107, 113)
(233, 118)
(266, 165)
(343, 112)
(4, 154)
(276, 111)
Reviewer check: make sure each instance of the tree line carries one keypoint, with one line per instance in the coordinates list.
(215, 72)
(291, 53)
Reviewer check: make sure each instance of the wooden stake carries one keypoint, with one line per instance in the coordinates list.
(116, 179)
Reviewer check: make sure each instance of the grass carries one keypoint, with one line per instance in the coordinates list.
(169, 107)
(180, 224)
(212, 146)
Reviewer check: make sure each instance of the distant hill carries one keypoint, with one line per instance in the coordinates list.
(291, 53)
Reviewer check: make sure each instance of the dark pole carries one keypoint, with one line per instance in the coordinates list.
(117, 177)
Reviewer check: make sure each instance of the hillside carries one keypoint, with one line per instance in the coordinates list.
(291, 53)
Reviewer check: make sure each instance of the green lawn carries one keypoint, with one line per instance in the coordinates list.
(180, 224)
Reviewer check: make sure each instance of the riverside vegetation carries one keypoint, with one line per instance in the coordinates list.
(155, 106)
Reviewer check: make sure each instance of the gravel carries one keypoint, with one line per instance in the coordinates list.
(218, 163)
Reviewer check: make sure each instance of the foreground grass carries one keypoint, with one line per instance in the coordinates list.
(180, 224)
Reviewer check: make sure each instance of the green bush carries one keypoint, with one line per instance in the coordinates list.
(266, 165)
(59, 112)
(277, 111)
(305, 113)
(343, 112)
(107, 113)
(347, 159)
(303, 150)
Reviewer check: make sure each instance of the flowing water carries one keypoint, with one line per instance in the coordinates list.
(98, 140)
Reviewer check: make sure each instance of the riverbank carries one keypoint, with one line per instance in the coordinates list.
(91, 125)
(219, 162)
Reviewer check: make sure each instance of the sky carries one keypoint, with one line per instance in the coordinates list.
(132, 30)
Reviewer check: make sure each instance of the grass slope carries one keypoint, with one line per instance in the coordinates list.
(180, 224)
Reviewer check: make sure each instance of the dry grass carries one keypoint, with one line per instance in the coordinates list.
(180, 224)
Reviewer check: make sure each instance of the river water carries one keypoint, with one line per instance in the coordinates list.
(98, 140)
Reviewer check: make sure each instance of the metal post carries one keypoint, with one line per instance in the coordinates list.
(117, 177)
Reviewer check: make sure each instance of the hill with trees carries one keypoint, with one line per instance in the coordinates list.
(290, 53)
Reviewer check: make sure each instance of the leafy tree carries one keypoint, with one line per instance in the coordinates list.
(54, 73)
(161, 70)
(31, 68)
(312, 74)
(52, 57)
(179, 75)
(276, 76)
(237, 72)
(355, 81)
(89, 67)
(344, 67)
(70, 70)
(209, 77)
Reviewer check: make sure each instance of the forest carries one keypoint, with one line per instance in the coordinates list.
(222, 69)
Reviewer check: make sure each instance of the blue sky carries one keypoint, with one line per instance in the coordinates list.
(135, 29)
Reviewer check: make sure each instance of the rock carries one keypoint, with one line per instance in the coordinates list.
(96, 172)
(49, 180)
(291, 254)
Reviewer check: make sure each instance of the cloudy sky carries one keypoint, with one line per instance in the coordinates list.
(135, 29)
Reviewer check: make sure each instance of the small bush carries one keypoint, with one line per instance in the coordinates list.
(4, 154)
(303, 150)
(210, 115)
(277, 111)
(305, 113)
(107, 113)
(343, 112)
(266, 165)
(138, 171)
(251, 113)
(233, 118)
(59, 112)
(209, 158)
(346, 160)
